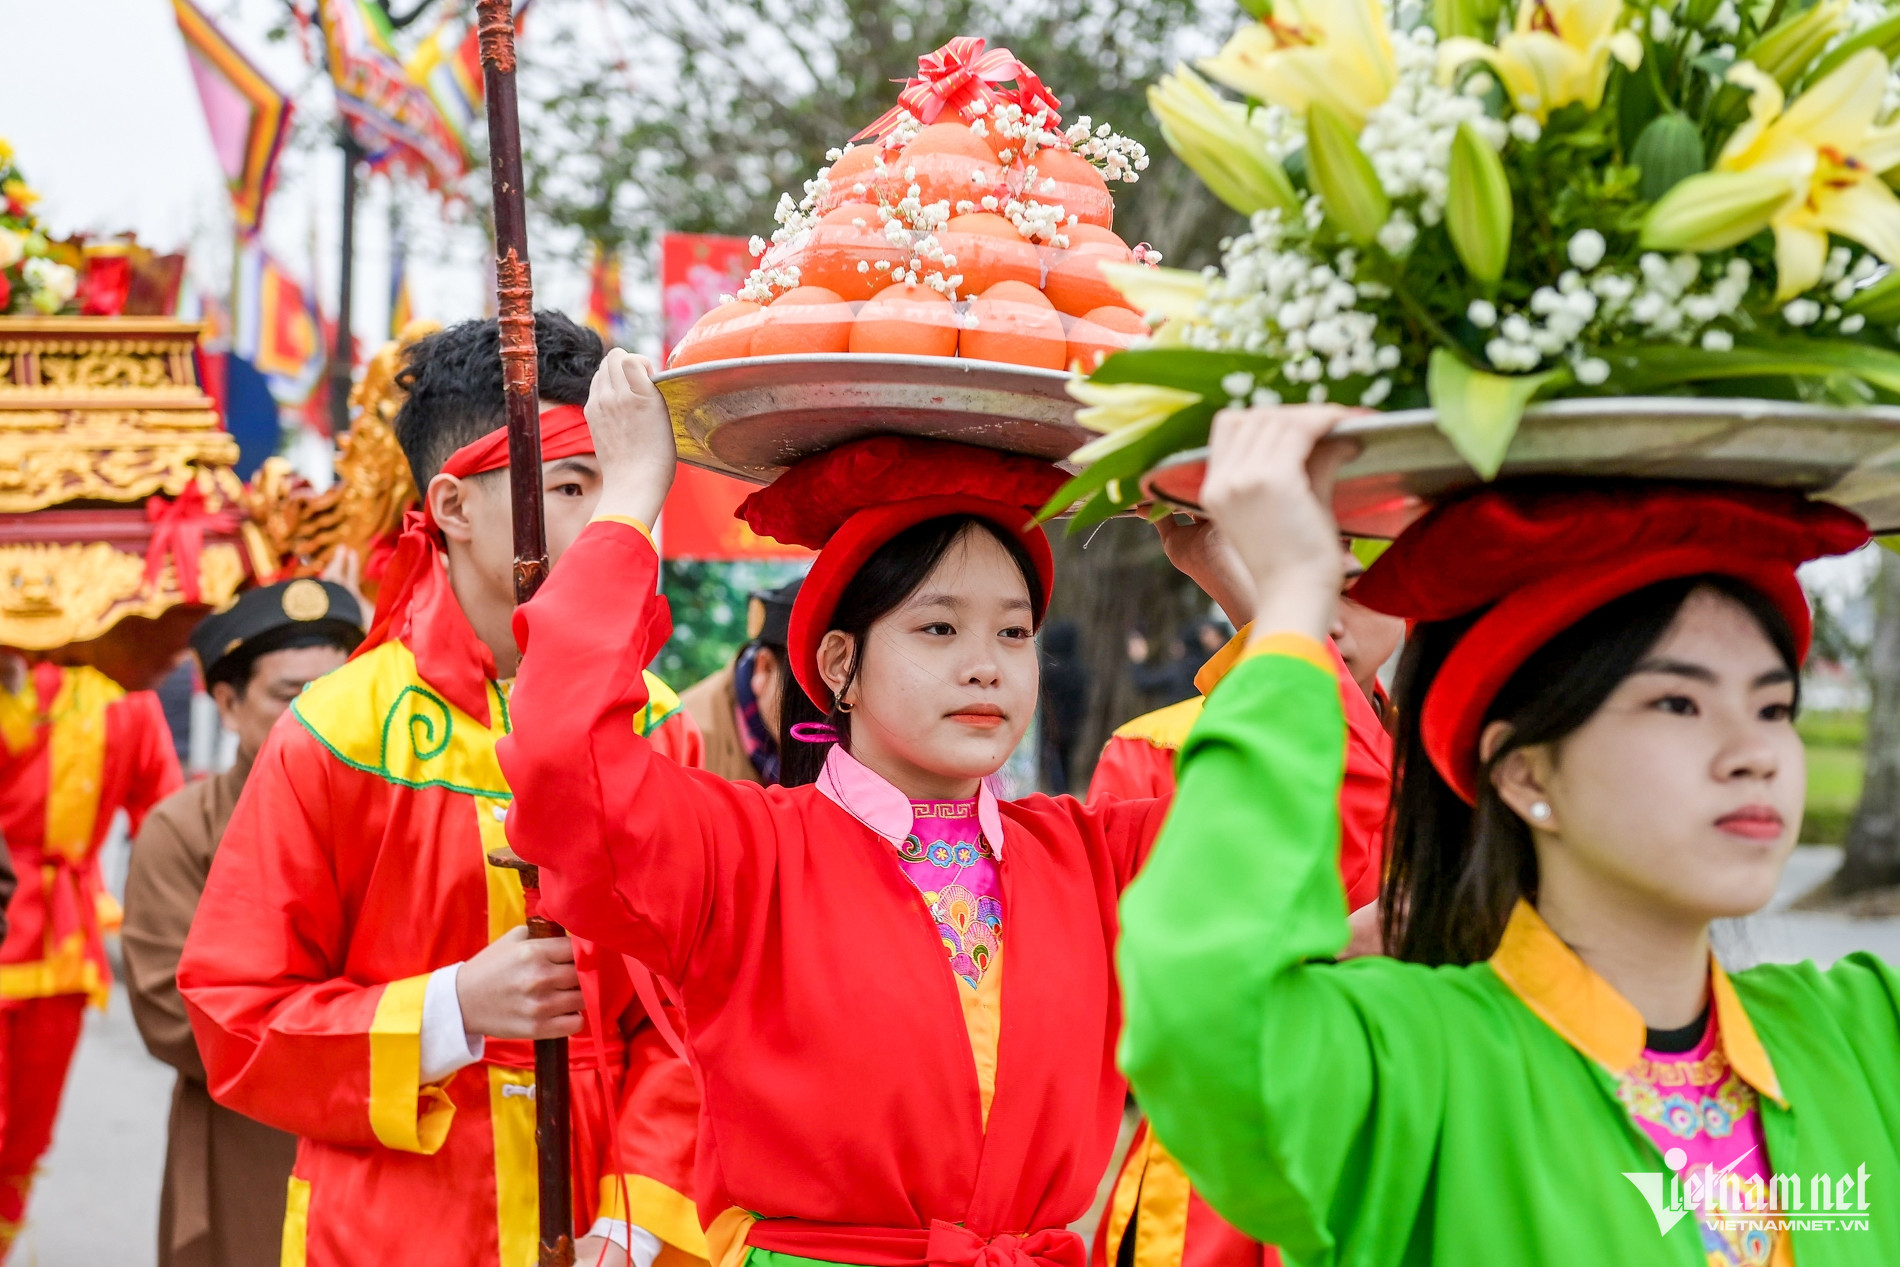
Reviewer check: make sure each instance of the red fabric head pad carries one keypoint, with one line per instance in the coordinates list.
(1537, 558)
(851, 500)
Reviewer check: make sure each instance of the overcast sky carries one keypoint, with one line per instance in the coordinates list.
(99, 103)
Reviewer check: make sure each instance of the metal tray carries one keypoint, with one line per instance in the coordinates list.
(1850, 457)
(754, 417)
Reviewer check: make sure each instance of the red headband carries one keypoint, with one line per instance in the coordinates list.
(851, 500)
(564, 434)
(1542, 557)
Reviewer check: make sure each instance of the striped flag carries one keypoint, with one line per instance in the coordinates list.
(278, 327)
(448, 66)
(606, 305)
(248, 117)
(396, 122)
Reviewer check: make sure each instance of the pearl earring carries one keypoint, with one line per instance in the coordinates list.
(1540, 811)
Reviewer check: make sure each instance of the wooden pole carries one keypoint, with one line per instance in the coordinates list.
(514, 295)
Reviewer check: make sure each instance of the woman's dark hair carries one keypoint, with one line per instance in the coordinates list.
(888, 577)
(1455, 871)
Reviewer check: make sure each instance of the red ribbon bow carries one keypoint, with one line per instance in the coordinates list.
(1033, 95)
(178, 532)
(953, 78)
(953, 1245)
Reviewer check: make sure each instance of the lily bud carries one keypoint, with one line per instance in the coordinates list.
(1478, 207)
(1714, 211)
(1123, 413)
(1883, 37)
(1212, 136)
(1790, 48)
(1669, 151)
(1343, 175)
(1168, 294)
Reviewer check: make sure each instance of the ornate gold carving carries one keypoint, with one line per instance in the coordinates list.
(303, 528)
(51, 595)
(102, 409)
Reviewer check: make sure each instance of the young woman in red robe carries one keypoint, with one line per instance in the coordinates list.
(901, 988)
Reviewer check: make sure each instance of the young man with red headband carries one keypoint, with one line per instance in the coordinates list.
(1597, 758)
(357, 973)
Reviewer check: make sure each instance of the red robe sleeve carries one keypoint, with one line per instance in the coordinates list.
(137, 725)
(632, 845)
(1131, 769)
(680, 740)
(287, 1036)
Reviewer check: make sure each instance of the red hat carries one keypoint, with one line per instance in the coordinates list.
(1541, 557)
(849, 501)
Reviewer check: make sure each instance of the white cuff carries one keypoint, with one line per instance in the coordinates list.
(641, 1245)
(446, 1046)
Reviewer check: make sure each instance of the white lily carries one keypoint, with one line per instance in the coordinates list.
(1335, 51)
(1558, 52)
(1829, 152)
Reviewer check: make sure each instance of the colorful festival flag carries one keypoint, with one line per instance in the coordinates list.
(278, 327)
(606, 304)
(448, 66)
(695, 270)
(393, 119)
(248, 117)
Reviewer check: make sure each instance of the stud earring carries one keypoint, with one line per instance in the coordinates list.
(1540, 811)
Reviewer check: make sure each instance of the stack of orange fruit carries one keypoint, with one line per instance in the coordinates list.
(971, 225)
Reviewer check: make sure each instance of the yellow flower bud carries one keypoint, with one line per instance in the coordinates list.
(1714, 211)
(1212, 136)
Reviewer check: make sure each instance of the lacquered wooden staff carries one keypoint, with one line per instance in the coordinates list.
(514, 296)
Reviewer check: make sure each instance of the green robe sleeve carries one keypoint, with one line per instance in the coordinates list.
(1255, 1057)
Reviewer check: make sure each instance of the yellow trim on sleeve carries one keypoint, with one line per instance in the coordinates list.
(1296, 646)
(517, 1175)
(396, 1093)
(648, 1203)
(630, 521)
(296, 1223)
(1165, 728)
(1161, 1221)
(1222, 662)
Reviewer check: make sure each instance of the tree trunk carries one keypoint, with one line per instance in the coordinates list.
(1115, 581)
(1873, 839)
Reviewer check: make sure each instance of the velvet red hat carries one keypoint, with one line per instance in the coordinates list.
(849, 501)
(1537, 558)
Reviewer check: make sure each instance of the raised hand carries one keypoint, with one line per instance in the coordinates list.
(633, 437)
(1269, 487)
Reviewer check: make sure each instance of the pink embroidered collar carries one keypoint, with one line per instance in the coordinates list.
(877, 803)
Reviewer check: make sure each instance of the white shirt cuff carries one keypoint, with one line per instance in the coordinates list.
(446, 1045)
(641, 1245)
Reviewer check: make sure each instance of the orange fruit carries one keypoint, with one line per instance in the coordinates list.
(1013, 322)
(906, 320)
(1094, 234)
(804, 319)
(856, 166)
(1066, 177)
(1099, 334)
(831, 253)
(720, 334)
(1074, 282)
(948, 163)
(988, 250)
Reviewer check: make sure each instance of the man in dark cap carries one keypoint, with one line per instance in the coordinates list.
(739, 707)
(225, 1175)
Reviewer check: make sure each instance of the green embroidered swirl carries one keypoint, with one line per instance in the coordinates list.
(422, 725)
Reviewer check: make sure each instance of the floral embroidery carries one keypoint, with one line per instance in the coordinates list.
(956, 871)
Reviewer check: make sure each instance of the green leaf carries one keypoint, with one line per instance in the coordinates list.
(1478, 206)
(1477, 19)
(1368, 549)
(1636, 104)
(1343, 175)
(1883, 35)
(1879, 302)
(1669, 152)
(1648, 369)
(1479, 411)
(1891, 543)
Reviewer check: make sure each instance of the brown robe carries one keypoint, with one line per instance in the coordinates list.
(226, 1176)
(713, 703)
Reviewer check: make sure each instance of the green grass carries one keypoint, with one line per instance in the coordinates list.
(1834, 774)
